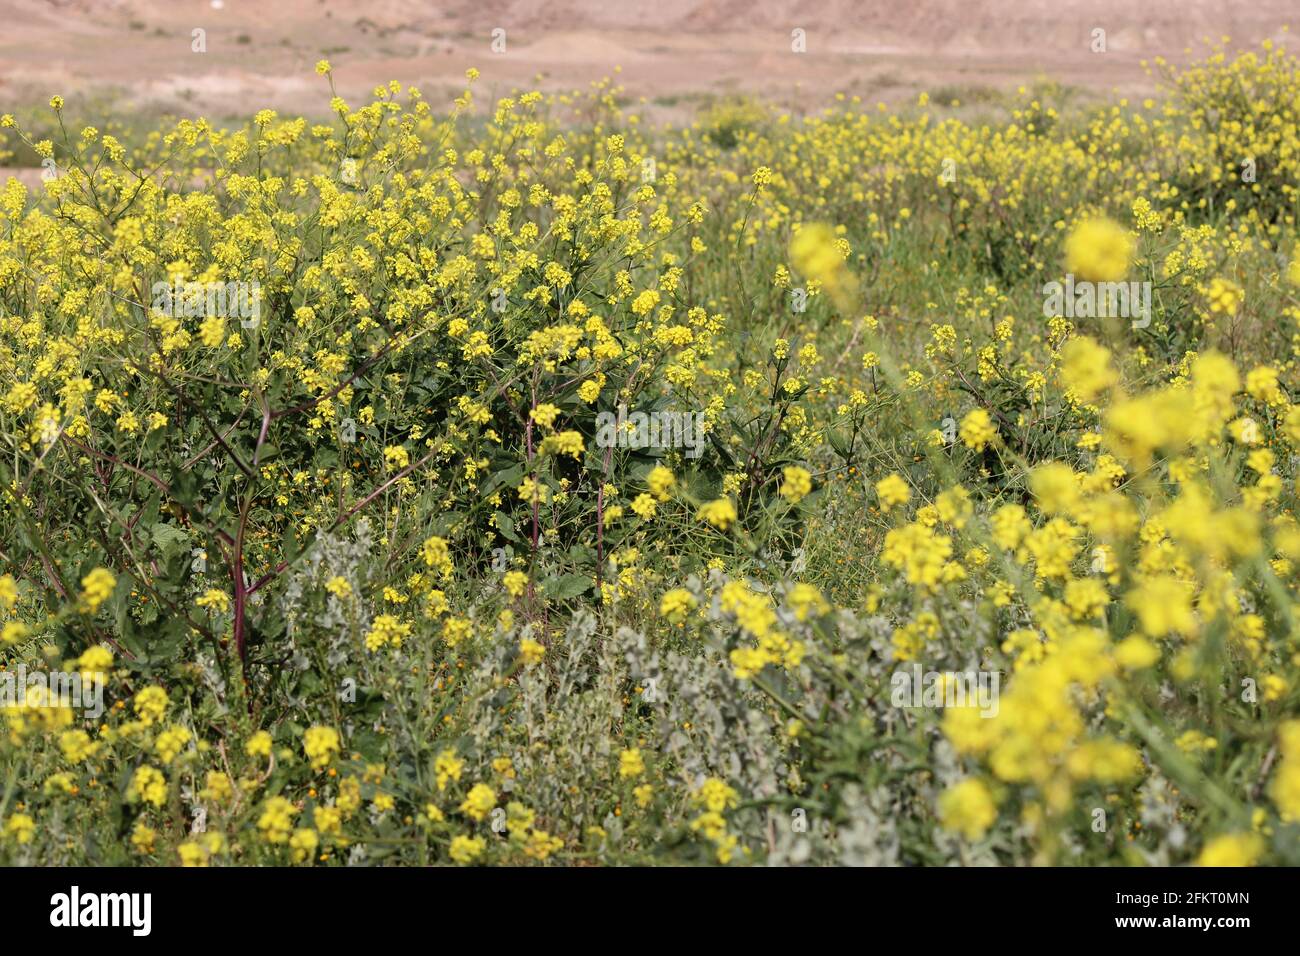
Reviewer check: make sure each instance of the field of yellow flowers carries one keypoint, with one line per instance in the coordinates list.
(328, 462)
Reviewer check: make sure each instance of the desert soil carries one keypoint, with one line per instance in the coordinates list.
(673, 53)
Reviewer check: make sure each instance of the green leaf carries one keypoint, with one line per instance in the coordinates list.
(169, 539)
(509, 477)
(506, 525)
(566, 586)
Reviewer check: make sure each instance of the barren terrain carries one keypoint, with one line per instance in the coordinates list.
(672, 53)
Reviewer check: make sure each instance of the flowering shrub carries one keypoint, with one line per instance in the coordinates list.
(302, 460)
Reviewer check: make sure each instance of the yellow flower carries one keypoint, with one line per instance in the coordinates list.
(977, 429)
(303, 844)
(531, 651)
(20, 828)
(1284, 789)
(466, 849)
(478, 803)
(1224, 296)
(540, 844)
(820, 258)
(1163, 606)
(258, 745)
(892, 490)
(142, 837)
(77, 746)
(437, 555)
(1293, 269)
(59, 783)
(148, 784)
(96, 588)
(192, 854)
(1232, 849)
(212, 331)
(954, 506)
(968, 808)
(447, 768)
(720, 513)
(515, 583)
(630, 764)
(276, 821)
(456, 629)
(544, 415)
(385, 631)
(217, 787)
(320, 744)
(8, 592)
(1262, 384)
(170, 742)
(151, 703)
(1106, 761)
(589, 390)
(1136, 652)
(1098, 250)
(215, 599)
(921, 554)
(660, 481)
(339, 587)
(715, 795)
(676, 604)
(1055, 488)
(1086, 369)
(796, 483)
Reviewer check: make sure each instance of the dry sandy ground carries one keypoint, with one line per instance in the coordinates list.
(672, 52)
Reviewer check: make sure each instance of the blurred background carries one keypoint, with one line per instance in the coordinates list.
(676, 54)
